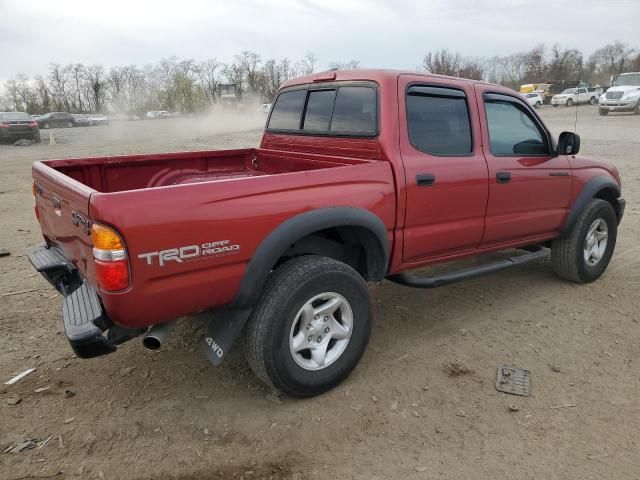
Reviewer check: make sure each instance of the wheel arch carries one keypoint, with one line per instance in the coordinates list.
(352, 235)
(601, 187)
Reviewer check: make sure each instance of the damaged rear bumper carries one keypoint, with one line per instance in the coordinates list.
(89, 330)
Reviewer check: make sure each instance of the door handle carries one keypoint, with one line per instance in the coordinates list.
(503, 177)
(425, 179)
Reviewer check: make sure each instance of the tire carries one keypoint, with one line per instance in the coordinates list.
(69, 124)
(568, 255)
(569, 103)
(538, 104)
(636, 111)
(45, 125)
(603, 112)
(310, 282)
(592, 101)
(555, 105)
(37, 138)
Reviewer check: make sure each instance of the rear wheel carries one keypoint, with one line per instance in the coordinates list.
(636, 110)
(36, 138)
(45, 125)
(603, 112)
(569, 103)
(538, 104)
(592, 101)
(310, 327)
(584, 255)
(69, 124)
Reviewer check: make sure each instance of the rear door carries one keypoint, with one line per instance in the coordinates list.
(529, 185)
(445, 170)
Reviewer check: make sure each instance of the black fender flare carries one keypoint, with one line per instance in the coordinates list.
(295, 228)
(589, 191)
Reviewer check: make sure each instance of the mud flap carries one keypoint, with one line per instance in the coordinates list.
(223, 328)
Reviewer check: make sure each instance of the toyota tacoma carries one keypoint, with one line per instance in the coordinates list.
(361, 176)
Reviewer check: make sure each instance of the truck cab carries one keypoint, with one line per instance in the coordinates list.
(622, 96)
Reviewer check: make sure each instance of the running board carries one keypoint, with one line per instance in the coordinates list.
(534, 253)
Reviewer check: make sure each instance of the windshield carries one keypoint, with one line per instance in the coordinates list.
(627, 80)
(14, 116)
(569, 90)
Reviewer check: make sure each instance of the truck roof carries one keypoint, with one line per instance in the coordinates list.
(378, 75)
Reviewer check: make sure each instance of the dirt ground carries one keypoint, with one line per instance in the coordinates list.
(402, 414)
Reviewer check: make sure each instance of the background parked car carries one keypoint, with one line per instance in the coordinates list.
(56, 119)
(81, 119)
(98, 119)
(534, 99)
(16, 125)
(157, 114)
(572, 96)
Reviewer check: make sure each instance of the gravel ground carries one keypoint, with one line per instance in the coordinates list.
(422, 403)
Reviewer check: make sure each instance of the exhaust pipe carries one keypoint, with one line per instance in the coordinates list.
(156, 336)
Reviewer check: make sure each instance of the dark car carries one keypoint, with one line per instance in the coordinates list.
(56, 119)
(81, 119)
(17, 125)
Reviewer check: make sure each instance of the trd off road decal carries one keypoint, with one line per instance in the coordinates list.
(191, 252)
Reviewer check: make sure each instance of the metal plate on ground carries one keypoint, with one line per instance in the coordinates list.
(516, 381)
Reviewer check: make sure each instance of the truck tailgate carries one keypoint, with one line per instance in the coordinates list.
(62, 206)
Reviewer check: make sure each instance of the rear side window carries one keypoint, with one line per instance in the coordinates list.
(319, 107)
(355, 111)
(438, 121)
(512, 130)
(287, 110)
(334, 110)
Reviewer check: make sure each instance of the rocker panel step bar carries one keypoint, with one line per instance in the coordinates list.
(534, 253)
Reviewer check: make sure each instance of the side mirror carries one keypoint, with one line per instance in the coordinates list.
(568, 143)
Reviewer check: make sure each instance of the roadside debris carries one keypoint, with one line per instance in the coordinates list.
(456, 369)
(29, 443)
(23, 142)
(70, 419)
(554, 367)
(42, 389)
(566, 405)
(20, 292)
(13, 380)
(515, 381)
(4, 252)
(14, 399)
(68, 394)
(514, 408)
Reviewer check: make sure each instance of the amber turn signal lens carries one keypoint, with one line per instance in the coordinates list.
(105, 238)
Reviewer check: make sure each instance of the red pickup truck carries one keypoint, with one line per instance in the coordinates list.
(361, 176)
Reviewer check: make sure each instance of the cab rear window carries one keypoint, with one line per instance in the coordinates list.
(349, 110)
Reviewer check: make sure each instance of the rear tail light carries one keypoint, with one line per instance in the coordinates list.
(112, 265)
(33, 124)
(4, 125)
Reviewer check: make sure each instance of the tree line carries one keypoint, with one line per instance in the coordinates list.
(538, 65)
(190, 86)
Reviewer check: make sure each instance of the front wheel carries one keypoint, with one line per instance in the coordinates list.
(584, 255)
(69, 124)
(538, 104)
(636, 111)
(569, 103)
(45, 125)
(310, 327)
(592, 101)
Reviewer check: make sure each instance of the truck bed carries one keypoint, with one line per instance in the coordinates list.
(173, 200)
(135, 172)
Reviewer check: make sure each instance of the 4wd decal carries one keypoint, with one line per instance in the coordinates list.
(190, 252)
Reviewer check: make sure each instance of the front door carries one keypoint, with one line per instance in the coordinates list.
(445, 170)
(529, 185)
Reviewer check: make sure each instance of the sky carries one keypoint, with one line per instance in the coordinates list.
(378, 33)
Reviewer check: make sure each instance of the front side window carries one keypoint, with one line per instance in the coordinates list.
(287, 110)
(438, 121)
(512, 130)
